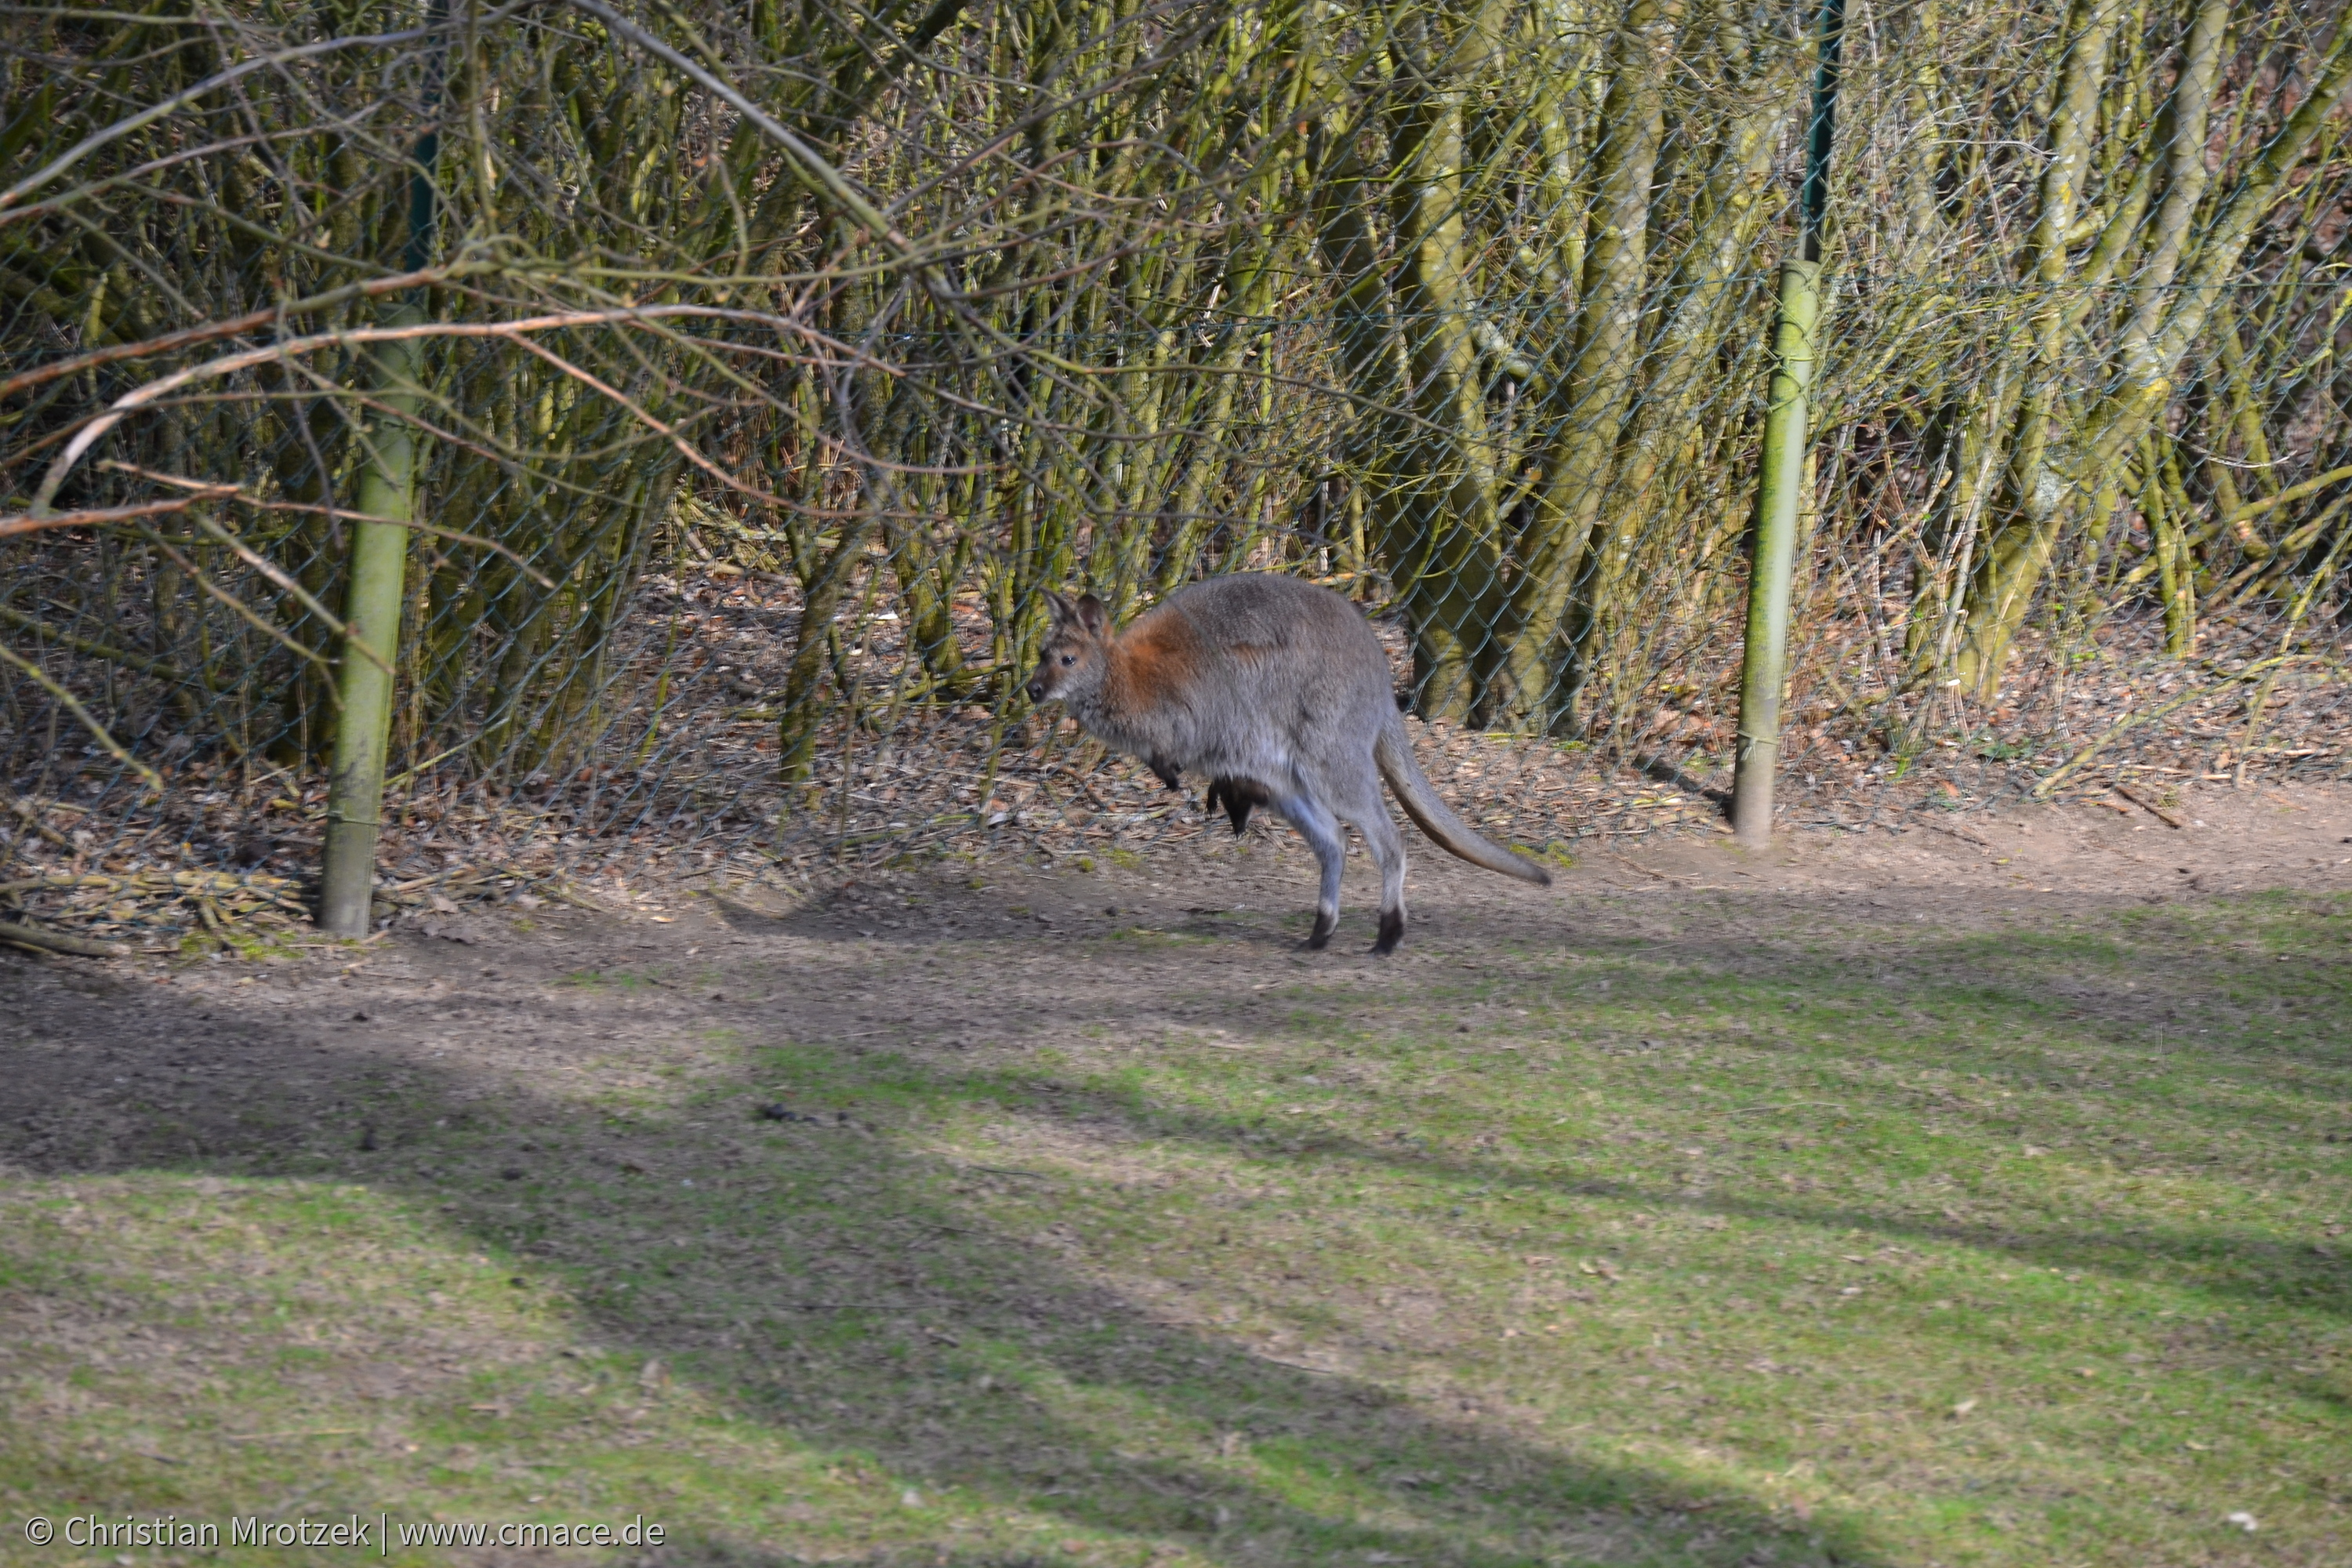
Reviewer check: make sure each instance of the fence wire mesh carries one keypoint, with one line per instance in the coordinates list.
(749, 374)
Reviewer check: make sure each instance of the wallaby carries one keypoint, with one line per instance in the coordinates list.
(1278, 691)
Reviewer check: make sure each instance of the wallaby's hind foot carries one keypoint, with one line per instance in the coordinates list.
(1391, 932)
(1325, 922)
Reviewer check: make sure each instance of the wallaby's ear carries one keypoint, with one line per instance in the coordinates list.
(1092, 615)
(1065, 612)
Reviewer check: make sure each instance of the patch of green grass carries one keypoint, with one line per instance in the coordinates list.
(2019, 1245)
(1153, 937)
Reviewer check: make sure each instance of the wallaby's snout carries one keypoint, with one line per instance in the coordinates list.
(1072, 658)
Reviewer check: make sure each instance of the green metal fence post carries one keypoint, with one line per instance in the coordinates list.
(1779, 494)
(364, 686)
(1781, 481)
(379, 568)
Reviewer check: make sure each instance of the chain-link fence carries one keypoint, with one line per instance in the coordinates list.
(745, 377)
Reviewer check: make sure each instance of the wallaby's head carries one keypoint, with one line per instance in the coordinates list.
(1077, 654)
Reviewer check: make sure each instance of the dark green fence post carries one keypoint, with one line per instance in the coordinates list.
(1780, 482)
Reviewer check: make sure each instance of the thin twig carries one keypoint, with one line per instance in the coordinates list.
(72, 704)
(212, 332)
(2150, 807)
(27, 522)
(25, 935)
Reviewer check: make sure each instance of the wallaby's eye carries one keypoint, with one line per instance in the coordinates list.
(1069, 659)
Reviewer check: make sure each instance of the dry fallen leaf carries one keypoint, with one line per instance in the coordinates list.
(1962, 1408)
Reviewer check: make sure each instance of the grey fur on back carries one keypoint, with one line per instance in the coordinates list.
(1292, 678)
(1277, 686)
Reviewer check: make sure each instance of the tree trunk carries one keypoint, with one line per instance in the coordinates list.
(1591, 401)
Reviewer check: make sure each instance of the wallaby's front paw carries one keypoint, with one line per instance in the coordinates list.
(1320, 937)
(1391, 932)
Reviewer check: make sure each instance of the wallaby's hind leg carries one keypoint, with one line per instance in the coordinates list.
(1321, 831)
(1355, 795)
(1369, 816)
(1388, 849)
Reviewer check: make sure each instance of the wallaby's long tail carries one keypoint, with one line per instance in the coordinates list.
(1434, 818)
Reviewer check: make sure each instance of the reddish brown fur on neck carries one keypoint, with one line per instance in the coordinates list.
(1152, 666)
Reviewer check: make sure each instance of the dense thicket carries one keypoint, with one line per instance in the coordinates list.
(932, 307)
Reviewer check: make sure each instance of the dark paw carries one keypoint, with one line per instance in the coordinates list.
(1320, 937)
(1391, 932)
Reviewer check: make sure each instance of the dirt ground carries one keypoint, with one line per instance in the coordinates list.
(342, 1064)
(889, 958)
